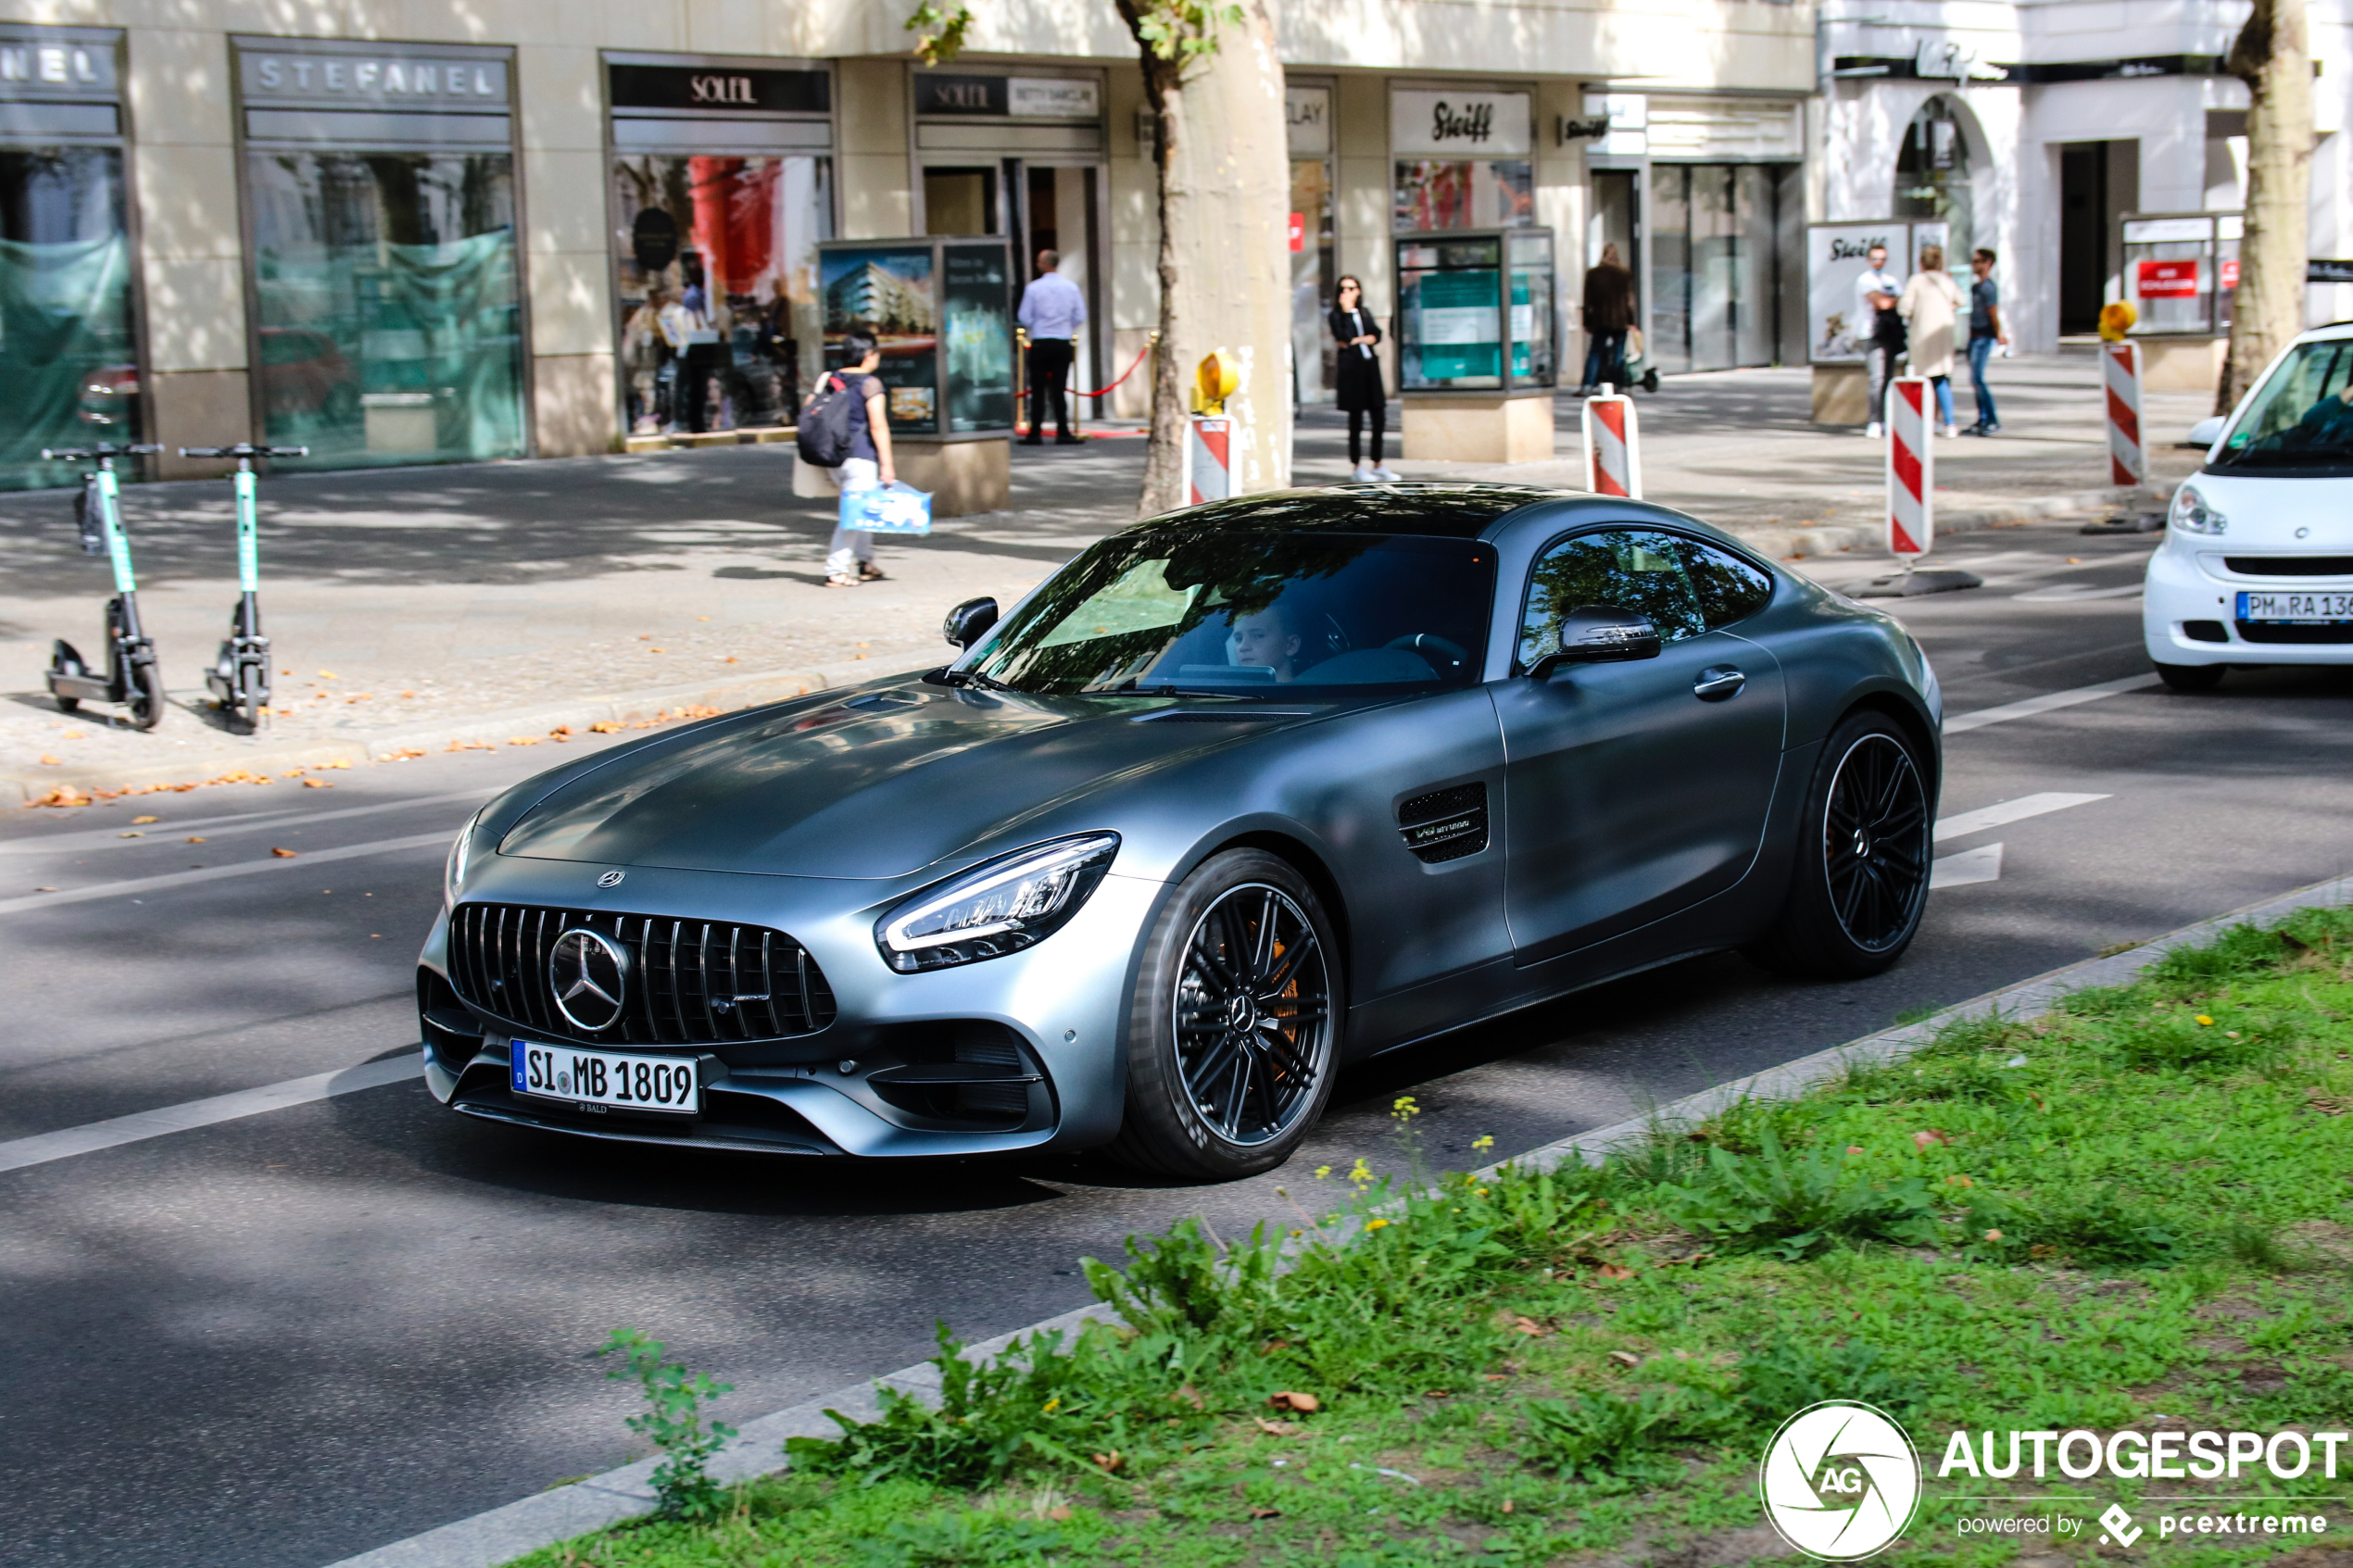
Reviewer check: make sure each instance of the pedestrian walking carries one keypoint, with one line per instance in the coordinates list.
(1985, 332)
(1877, 293)
(1052, 310)
(866, 463)
(1609, 315)
(1361, 391)
(1930, 307)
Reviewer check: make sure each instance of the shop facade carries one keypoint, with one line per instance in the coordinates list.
(2102, 155)
(542, 234)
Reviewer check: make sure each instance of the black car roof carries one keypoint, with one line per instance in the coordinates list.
(1454, 511)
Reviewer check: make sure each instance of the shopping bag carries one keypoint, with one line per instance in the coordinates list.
(891, 508)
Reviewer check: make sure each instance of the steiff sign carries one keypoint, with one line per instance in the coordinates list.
(1458, 124)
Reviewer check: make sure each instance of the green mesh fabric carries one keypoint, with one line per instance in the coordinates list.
(65, 324)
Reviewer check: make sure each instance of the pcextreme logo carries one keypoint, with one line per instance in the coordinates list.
(1840, 1480)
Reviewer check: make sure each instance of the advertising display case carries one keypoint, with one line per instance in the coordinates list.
(1475, 310)
(942, 308)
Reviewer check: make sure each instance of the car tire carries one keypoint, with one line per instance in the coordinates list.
(1233, 1031)
(1860, 883)
(2191, 677)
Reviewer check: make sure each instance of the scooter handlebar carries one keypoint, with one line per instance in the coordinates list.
(85, 454)
(244, 449)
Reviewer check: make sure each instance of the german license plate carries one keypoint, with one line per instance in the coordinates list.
(607, 1079)
(2296, 606)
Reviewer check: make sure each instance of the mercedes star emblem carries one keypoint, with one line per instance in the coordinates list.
(611, 879)
(589, 974)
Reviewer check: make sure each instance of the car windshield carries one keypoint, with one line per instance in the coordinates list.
(2300, 418)
(1251, 615)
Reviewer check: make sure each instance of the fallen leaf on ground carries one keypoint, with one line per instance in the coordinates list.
(283, 853)
(317, 783)
(1058, 1513)
(64, 795)
(48, 761)
(1271, 1513)
(1278, 1428)
(141, 822)
(1853, 1149)
(522, 740)
(1614, 1271)
(1626, 1357)
(73, 734)
(1192, 1396)
(1507, 1505)
(45, 890)
(1110, 1461)
(1519, 1324)
(1929, 1137)
(603, 727)
(1306, 1404)
(194, 840)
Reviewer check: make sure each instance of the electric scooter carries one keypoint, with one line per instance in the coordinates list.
(239, 678)
(132, 679)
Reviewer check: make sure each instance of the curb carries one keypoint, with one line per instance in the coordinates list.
(493, 729)
(559, 1513)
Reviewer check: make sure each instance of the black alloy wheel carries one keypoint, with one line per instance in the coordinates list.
(1234, 1031)
(1250, 1013)
(1875, 843)
(1860, 882)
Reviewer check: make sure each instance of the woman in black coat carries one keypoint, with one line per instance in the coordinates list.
(1360, 388)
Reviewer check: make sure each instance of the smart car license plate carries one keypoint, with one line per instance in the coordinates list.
(606, 1078)
(2296, 606)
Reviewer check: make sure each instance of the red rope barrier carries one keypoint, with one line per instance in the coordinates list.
(1106, 391)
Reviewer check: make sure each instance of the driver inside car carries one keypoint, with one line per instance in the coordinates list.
(1264, 640)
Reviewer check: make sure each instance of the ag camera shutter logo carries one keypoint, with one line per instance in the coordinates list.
(1840, 1480)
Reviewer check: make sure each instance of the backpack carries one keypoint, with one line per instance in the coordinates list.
(827, 424)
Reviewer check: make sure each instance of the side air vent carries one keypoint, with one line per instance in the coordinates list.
(1446, 824)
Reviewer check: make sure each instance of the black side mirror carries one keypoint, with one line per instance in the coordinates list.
(969, 622)
(1599, 634)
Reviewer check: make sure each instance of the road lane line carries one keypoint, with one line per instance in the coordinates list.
(1961, 724)
(1981, 864)
(42, 1148)
(1962, 824)
(221, 826)
(214, 873)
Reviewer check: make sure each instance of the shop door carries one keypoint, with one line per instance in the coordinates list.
(2082, 235)
(1058, 213)
(1715, 273)
(961, 201)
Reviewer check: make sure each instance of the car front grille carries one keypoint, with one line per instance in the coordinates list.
(2290, 566)
(691, 981)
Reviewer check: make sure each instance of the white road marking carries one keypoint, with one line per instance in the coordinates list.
(42, 1148)
(1961, 724)
(2075, 593)
(214, 873)
(1963, 823)
(253, 821)
(1982, 864)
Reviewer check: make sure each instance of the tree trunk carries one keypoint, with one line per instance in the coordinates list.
(2273, 56)
(1224, 264)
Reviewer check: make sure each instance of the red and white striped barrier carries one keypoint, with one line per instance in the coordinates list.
(2120, 376)
(1612, 447)
(1208, 470)
(1912, 468)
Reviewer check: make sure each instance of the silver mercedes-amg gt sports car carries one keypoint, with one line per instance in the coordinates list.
(1238, 796)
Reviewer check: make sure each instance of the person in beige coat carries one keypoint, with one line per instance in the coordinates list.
(1931, 301)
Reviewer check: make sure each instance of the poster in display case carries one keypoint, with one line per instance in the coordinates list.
(1475, 310)
(941, 311)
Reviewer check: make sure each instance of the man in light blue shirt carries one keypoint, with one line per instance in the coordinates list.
(1052, 312)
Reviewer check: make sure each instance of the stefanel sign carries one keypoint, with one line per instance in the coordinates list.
(2175, 279)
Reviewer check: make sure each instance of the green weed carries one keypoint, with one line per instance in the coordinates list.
(673, 1423)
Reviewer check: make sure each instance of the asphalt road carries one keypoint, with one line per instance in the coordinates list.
(285, 1337)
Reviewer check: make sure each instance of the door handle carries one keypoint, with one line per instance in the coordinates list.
(1717, 681)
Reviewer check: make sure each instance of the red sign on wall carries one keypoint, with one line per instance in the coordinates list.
(2169, 280)
(2231, 273)
(1298, 232)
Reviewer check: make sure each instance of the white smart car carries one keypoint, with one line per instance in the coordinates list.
(2257, 565)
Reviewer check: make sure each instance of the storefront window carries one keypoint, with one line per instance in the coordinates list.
(1313, 274)
(67, 347)
(389, 320)
(1715, 272)
(1456, 193)
(718, 286)
(1933, 177)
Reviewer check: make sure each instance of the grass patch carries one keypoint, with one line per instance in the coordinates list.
(2134, 1210)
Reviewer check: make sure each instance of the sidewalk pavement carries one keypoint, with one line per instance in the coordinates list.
(417, 608)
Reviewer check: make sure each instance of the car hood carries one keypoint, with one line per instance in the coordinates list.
(2265, 512)
(878, 785)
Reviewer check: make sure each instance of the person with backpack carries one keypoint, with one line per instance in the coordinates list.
(845, 429)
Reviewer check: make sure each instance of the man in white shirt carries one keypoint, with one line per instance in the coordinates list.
(1052, 312)
(1881, 330)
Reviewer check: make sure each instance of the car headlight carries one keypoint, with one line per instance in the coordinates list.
(2192, 515)
(1010, 903)
(453, 877)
